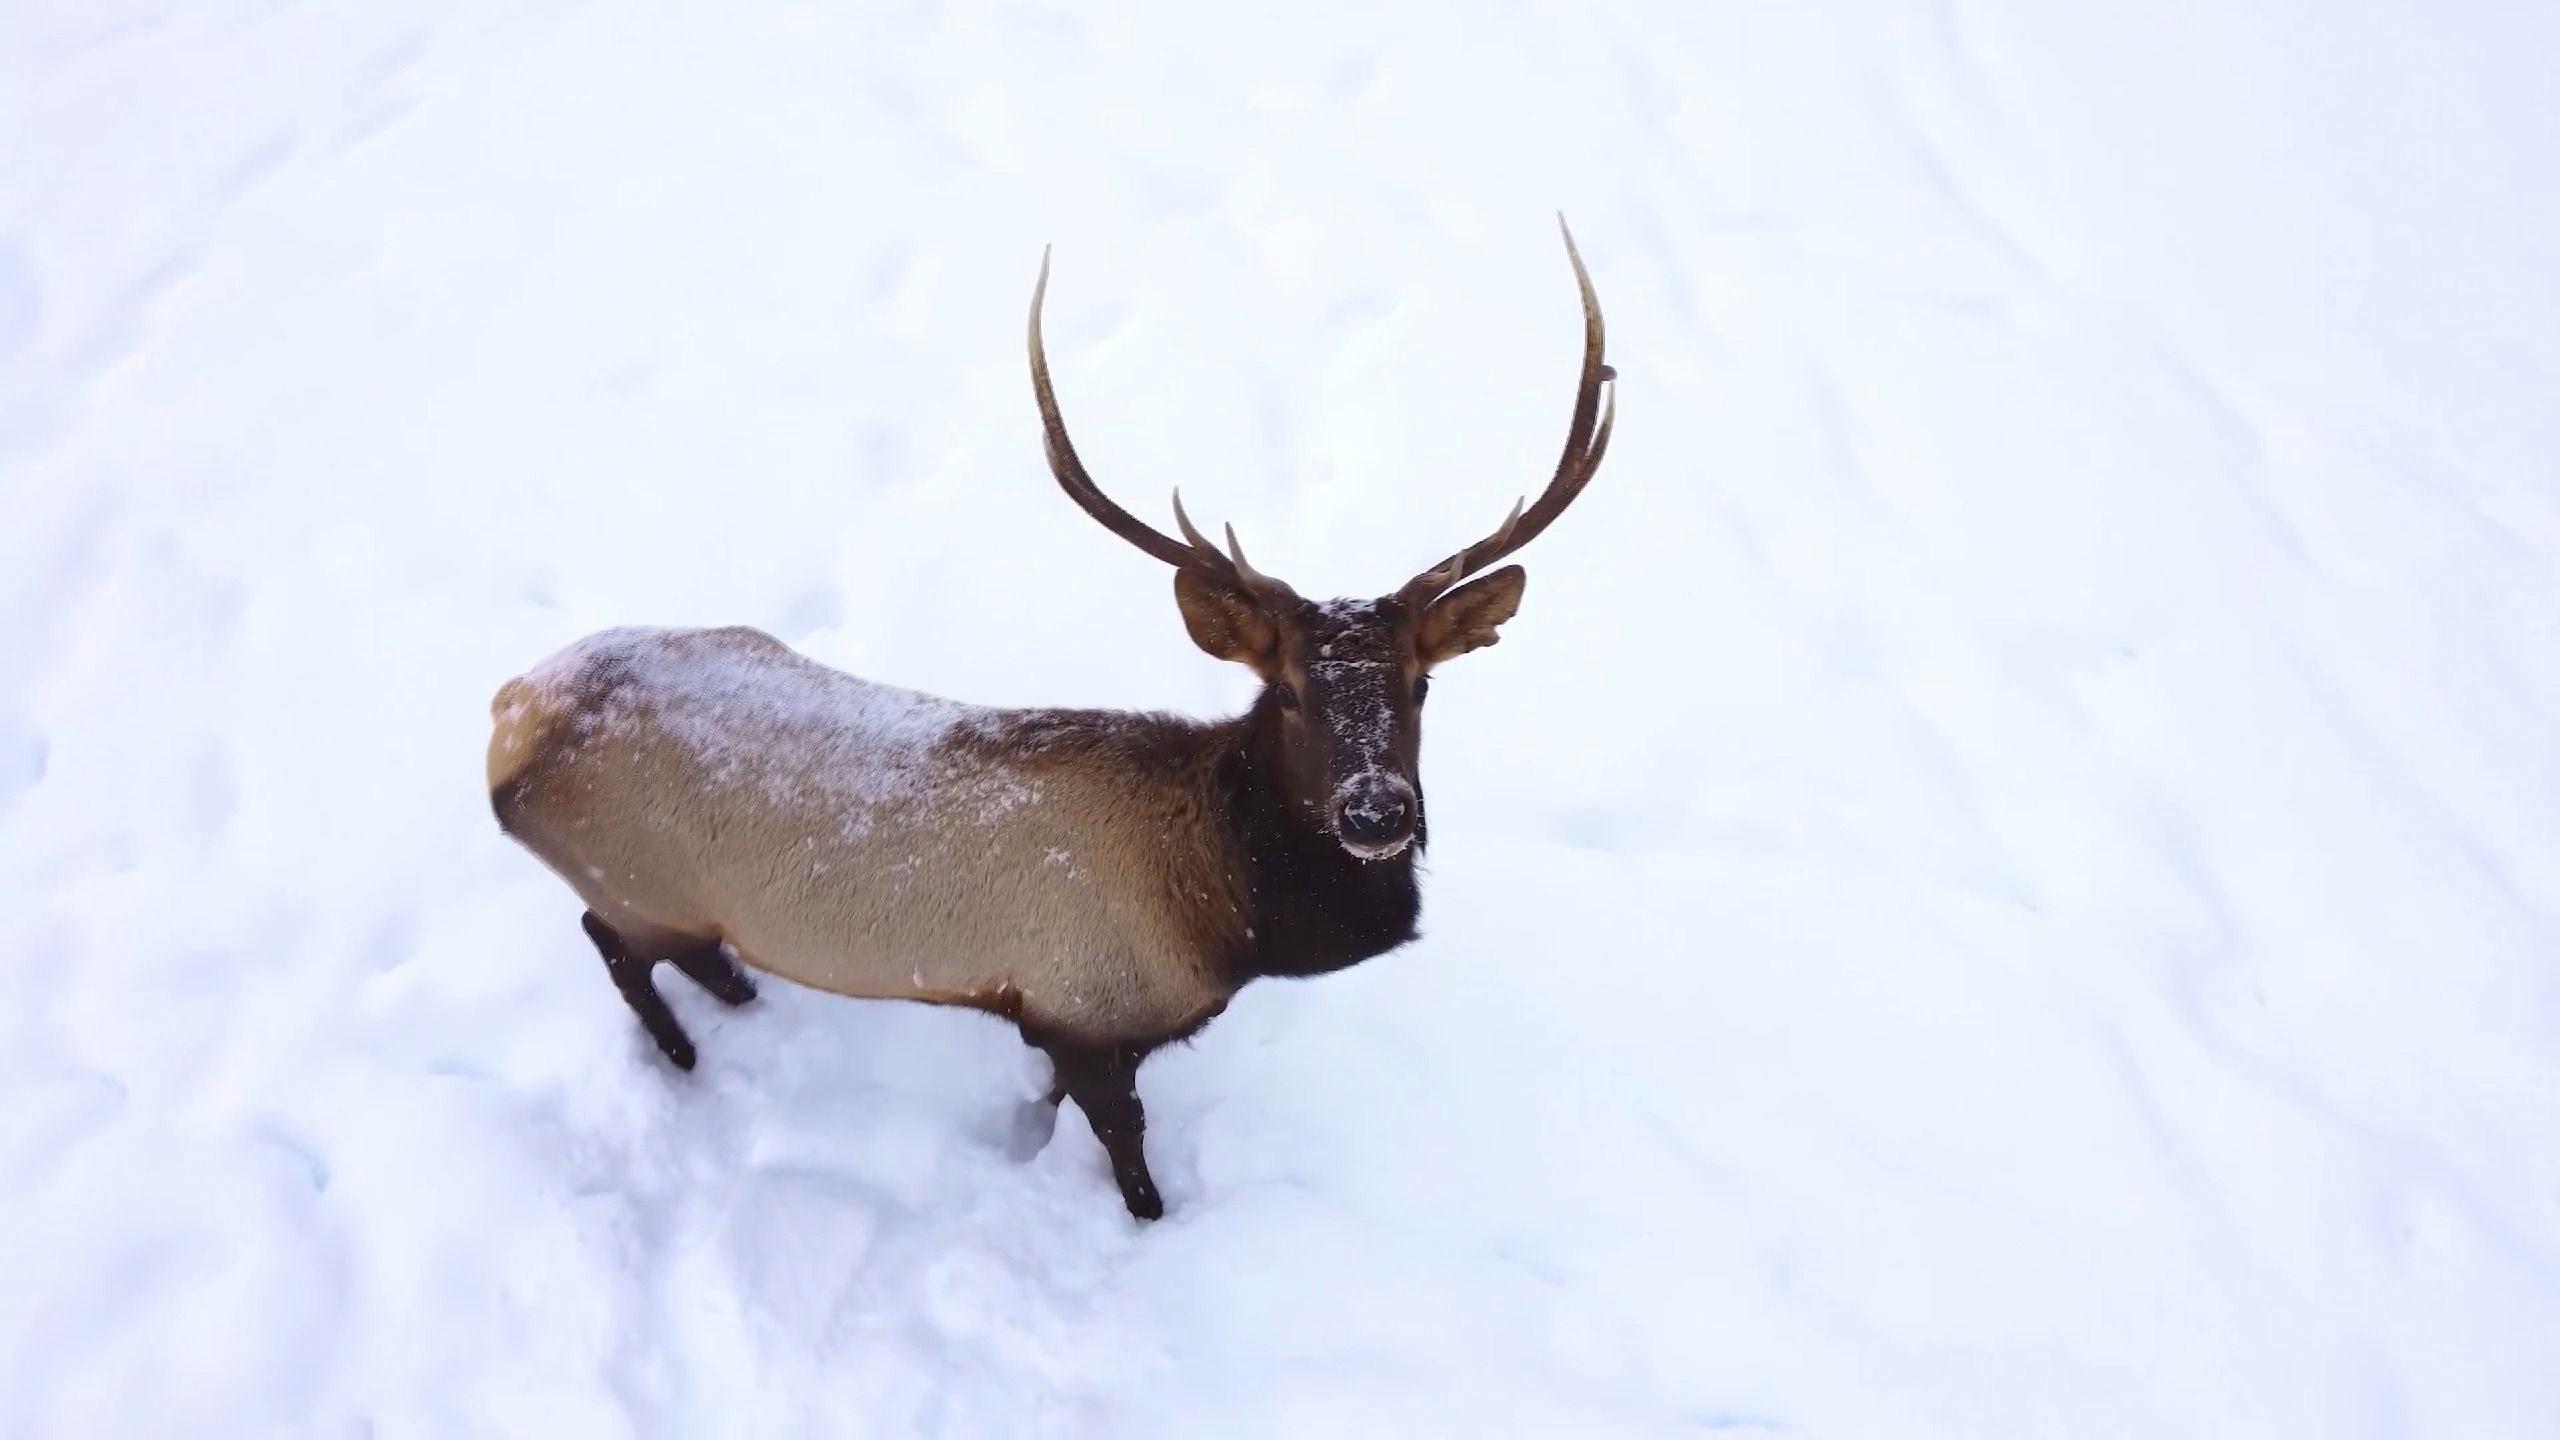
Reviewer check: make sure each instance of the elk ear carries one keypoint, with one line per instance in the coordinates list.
(1470, 617)
(1227, 623)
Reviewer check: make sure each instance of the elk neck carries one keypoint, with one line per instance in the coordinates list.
(1312, 906)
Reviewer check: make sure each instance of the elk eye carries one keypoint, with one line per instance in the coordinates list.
(1421, 689)
(1287, 694)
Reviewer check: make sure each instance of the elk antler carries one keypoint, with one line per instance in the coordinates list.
(1583, 447)
(1199, 554)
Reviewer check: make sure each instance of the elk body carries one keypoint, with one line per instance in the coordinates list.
(1106, 881)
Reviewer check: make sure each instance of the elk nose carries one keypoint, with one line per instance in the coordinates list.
(1374, 815)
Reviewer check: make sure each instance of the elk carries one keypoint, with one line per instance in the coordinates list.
(1106, 881)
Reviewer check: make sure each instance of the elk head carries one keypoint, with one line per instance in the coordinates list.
(1343, 681)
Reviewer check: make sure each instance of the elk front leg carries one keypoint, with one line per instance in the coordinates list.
(630, 974)
(1103, 1081)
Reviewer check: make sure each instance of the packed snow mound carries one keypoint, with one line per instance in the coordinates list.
(2003, 882)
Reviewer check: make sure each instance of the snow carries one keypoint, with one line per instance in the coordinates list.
(748, 713)
(2003, 881)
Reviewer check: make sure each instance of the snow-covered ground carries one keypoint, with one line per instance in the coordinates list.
(2005, 882)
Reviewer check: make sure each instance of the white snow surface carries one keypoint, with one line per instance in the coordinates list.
(2005, 880)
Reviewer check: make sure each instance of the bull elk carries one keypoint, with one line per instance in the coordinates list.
(1106, 881)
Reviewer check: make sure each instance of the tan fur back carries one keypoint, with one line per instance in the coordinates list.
(861, 838)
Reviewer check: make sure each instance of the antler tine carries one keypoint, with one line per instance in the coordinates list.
(1254, 579)
(1232, 564)
(1191, 532)
(1079, 485)
(1456, 567)
(1595, 413)
(1198, 555)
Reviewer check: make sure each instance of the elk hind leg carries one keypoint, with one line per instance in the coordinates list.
(630, 967)
(709, 964)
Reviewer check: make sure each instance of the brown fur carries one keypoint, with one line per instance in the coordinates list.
(1034, 879)
(1225, 623)
(1469, 617)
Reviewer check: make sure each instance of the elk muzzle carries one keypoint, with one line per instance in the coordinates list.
(1374, 814)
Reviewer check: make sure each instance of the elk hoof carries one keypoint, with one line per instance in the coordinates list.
(1143, 1201)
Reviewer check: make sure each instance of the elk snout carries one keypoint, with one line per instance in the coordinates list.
(1374, 815)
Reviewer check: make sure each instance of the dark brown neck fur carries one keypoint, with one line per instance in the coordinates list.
(1314, 907)
(1279, 896)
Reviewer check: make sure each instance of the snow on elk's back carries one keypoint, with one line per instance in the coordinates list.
(753, 712)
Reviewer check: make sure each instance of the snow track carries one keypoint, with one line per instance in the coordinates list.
(2004, 882)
